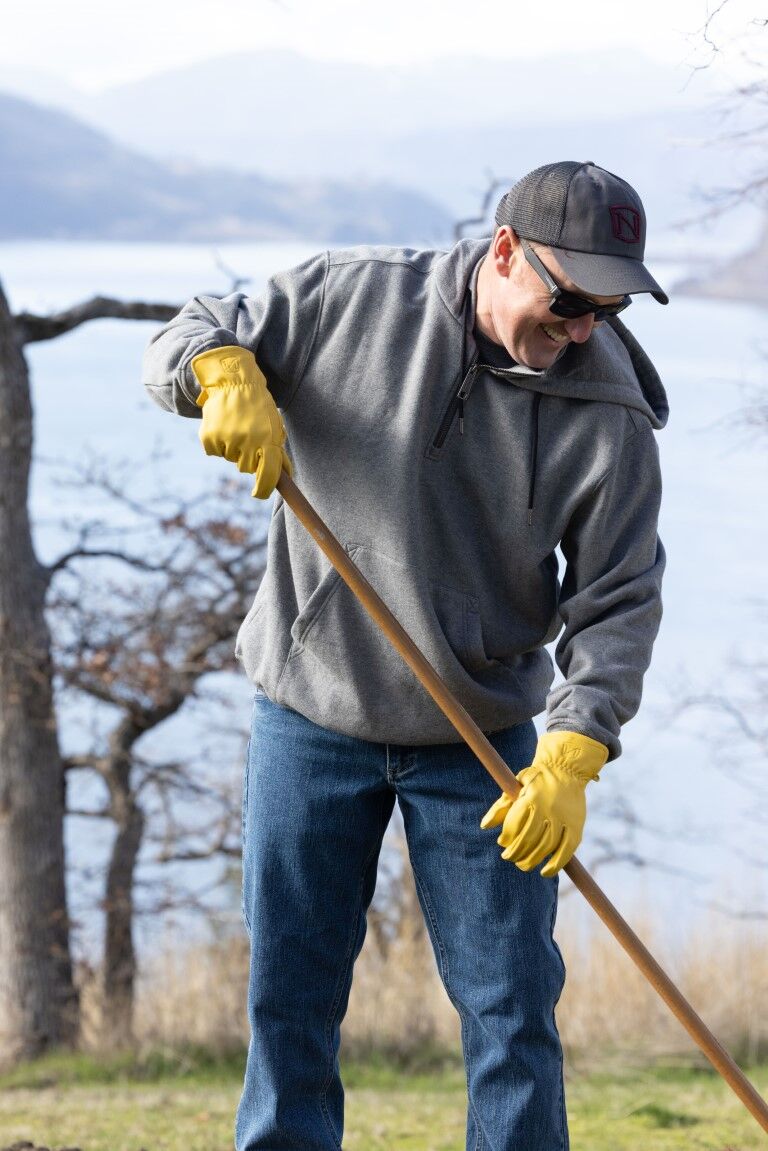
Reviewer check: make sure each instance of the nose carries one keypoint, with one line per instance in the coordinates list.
(580, 329)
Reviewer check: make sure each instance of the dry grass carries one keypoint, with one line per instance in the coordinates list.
(721, 968)
(197, 997)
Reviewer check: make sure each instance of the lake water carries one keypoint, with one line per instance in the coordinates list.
(696, 791)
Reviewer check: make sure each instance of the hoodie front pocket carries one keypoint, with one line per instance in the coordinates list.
(312, 612)
(343, 672)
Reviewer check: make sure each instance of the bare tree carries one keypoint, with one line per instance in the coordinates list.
(146, 603)
(735, 707)
(729, 719)
(744, 111)
(38, 1001)
(492, 184)
(742, 115)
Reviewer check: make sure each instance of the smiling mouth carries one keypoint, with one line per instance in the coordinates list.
(553, 334)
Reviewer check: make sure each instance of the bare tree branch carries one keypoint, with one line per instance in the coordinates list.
(85, 762)
(236, 282)
(99, 553)
(743, 914)
(30, 328)
(217, 848)
(492, 183)
(711, 701)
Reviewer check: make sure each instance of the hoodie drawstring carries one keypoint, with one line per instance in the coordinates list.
(534, 452)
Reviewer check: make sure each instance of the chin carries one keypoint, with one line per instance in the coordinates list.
(542, 359)
(538, 362)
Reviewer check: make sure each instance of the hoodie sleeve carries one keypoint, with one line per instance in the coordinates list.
(610, 601)
(279, 327)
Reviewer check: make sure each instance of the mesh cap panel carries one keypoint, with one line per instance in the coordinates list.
(535, 206)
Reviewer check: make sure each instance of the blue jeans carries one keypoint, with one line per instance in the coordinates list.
(315, 808)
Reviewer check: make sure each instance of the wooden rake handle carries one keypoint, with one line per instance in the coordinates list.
(495, 765)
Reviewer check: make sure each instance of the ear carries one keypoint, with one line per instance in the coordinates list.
(504, 249)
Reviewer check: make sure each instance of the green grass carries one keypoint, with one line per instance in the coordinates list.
(166, 1102)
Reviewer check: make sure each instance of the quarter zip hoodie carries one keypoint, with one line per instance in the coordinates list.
(450, 483)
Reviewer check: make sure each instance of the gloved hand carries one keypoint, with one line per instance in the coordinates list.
(240, 419)
(547, 817)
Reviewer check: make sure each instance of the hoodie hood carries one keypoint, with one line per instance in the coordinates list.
(611, 367)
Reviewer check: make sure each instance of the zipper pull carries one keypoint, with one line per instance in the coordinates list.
(468, 381)
(463, 394)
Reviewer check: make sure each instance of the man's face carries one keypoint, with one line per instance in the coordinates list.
(513, 304)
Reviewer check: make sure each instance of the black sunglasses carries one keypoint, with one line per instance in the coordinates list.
(569, 305)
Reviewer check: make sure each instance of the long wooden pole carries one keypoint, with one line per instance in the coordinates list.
(495, 765)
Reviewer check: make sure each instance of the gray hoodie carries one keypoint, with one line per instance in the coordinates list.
(452, 505)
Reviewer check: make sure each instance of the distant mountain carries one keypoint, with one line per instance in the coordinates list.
(234, 100)
(41, 87)
(438, 127)
(60, 179)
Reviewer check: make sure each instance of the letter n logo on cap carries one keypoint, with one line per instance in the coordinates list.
(625, 223)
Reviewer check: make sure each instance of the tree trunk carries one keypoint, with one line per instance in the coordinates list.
(38, 1001)
(119, 955)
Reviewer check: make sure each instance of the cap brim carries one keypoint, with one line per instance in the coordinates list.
(608, 275)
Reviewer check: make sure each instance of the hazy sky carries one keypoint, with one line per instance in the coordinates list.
(91, 43)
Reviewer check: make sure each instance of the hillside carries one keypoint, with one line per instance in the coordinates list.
(60, 179)
(439, 126)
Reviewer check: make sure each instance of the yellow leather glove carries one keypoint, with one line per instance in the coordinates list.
(547, 817)
(240, 419)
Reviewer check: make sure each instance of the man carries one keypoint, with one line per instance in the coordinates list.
(454, 417)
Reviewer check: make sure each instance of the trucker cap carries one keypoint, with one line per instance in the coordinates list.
(594, 220)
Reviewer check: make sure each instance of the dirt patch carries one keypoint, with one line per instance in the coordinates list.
(25, 1145)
